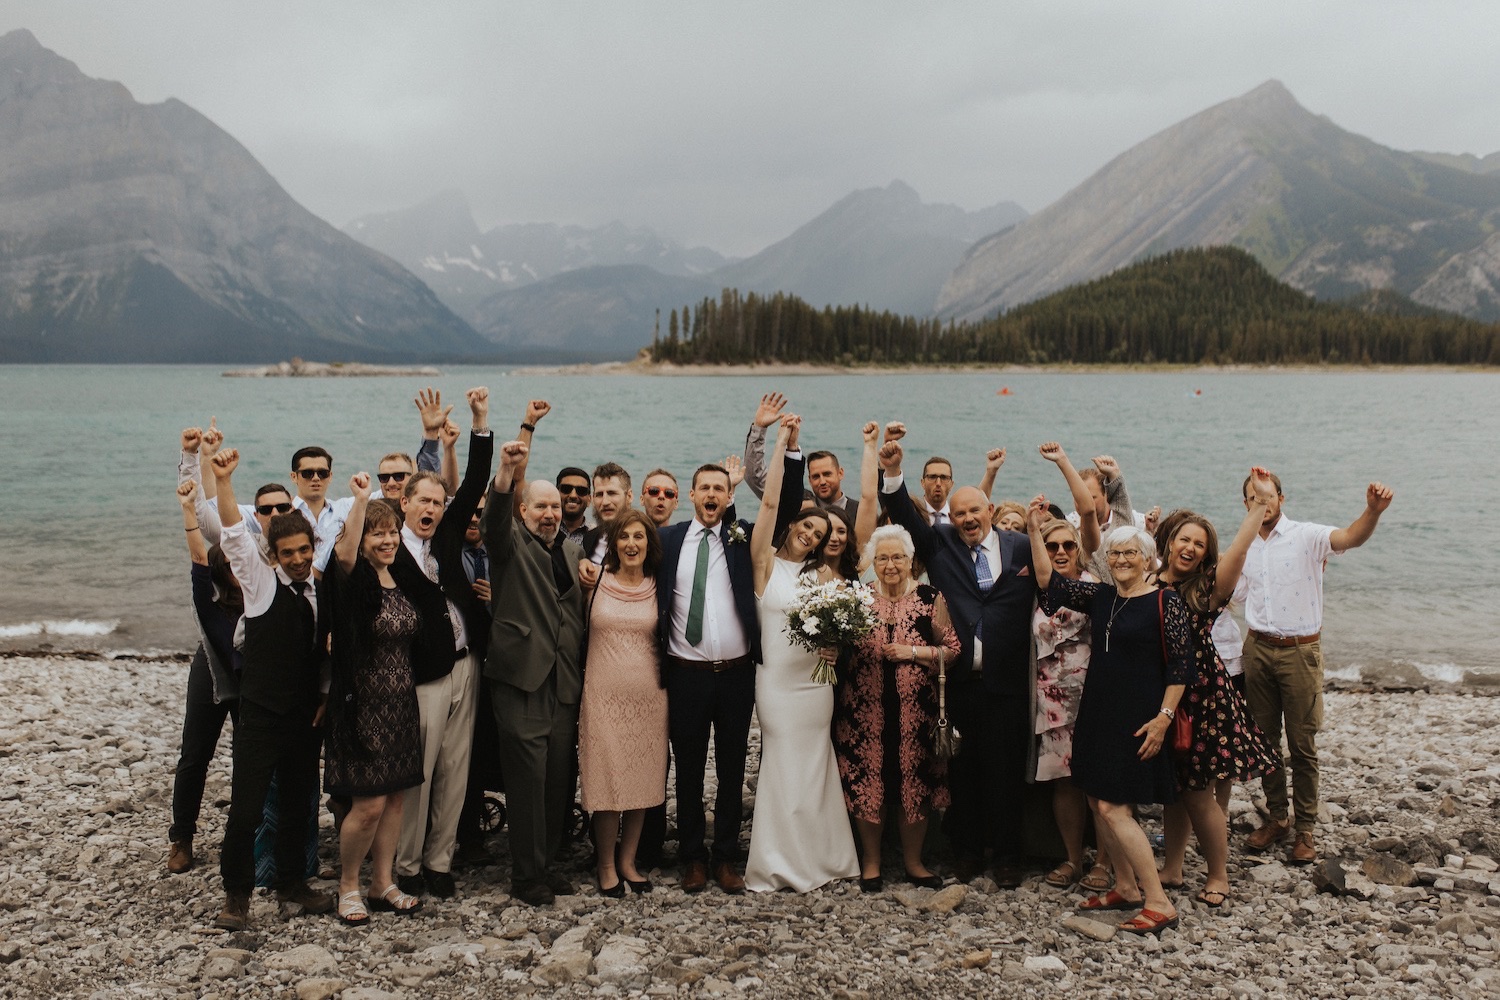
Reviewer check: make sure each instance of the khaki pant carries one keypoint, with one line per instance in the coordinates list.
(1285, 685)
(447, 708)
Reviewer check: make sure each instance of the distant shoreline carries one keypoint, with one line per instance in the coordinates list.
(668, 369)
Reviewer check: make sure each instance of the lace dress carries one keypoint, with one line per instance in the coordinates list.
(377, 748)
(1227, 744)
(1128, 674)
(885, 712)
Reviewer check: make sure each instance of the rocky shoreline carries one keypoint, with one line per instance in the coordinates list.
(1406, 902)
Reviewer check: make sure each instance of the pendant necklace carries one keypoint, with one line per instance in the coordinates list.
(1113, 613)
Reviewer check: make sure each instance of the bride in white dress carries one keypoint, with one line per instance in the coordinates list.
(799, 836)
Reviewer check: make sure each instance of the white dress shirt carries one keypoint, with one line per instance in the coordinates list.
(723, 635)
(936, 515)
(991, 546)
(1282, 582)
(419, 547)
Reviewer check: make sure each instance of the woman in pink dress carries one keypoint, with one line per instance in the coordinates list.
(622, 719)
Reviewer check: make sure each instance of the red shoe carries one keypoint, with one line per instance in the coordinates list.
(1111, 900)
(1149, 922)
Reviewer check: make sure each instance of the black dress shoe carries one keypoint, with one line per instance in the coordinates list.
(474, 854)
(440, 884)
(925, 881)
(412, 885)
(967, 869)
(532, 892)
(558, 883)
(1007, 875)
(873, 884)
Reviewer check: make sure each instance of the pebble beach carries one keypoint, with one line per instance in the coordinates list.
(1405, 902)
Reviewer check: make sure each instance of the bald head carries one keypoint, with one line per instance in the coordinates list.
(969, 510)
(541, 509)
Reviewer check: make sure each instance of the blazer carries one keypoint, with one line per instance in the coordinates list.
(741, 582)
(1005, 610)
(537, 631)
(432, 651)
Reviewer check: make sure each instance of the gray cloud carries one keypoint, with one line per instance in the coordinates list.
(730, 125)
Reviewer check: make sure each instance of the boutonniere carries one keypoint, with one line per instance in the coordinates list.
(733, 533)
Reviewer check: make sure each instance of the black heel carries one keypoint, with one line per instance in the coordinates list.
(925, 881)
(873, 884)
(639, 888)
(616, 891)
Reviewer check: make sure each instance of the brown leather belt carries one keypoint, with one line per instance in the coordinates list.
(1286, 641)
(713, 666)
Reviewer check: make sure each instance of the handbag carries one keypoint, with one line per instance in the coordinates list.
(1182, 722)
(946, 740)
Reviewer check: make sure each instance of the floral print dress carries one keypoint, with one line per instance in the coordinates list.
(1062, 663)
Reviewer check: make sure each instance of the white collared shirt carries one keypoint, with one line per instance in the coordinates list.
(991, 546)
(1282, 582)
(936, 515)
(419, 547)
(723, 635)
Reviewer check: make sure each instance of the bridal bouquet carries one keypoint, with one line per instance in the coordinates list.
(829, 616)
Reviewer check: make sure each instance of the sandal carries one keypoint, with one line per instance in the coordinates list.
(1213, 898)
(1149, 922)
(393, 900)
(1097, 880)
(352, 909)
(1063, 875)
(1110, 901)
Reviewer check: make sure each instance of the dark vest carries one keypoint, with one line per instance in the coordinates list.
(282, 660)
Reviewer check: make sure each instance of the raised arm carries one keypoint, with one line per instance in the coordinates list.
(762, 536)
(433, 414)
(1112, 480)
(1232, 560)
(766, 414)
(1041, 563)
(869, 487)
(187, 495)
(1378, 497)
(1088, 524)
(499, 523)
(897, 502)
(346, 549)
(993, 459)
(224, 464)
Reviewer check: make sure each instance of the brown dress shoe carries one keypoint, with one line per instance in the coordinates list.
(1304, 851)
(1274, 831)
(694, 876)
(236, 913)
(305, 896)
(729, 880)
(180, 857)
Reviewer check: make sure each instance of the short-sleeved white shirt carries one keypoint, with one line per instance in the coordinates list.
(1282, 582)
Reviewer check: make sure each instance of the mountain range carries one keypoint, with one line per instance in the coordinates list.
(1328, 211)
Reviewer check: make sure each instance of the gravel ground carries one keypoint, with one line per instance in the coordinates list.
(1406, 903)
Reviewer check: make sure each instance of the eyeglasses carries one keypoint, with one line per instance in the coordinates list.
(661, 491)
(577, 491)
(1127, 554)
(314, 473)
(1068, 546)
(267, 509)
(940, 478)
(388, 477)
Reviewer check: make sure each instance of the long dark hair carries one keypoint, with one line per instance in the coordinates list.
(848, 566)
(1195, 590)
(227, 593)
(815, 557)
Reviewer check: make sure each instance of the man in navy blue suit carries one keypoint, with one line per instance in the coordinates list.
(985, 576)
(710, 640)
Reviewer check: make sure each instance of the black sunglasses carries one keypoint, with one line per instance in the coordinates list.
(314, 473)
(386, 477)
(1068, 546)
(577, 491)
(661, 491)
(267, 509)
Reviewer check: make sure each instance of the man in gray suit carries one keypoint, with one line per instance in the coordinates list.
(535, 678)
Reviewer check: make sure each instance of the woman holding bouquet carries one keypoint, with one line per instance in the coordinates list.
(799, 837)
(887, 712)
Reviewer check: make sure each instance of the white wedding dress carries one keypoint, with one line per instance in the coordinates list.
(800, 836)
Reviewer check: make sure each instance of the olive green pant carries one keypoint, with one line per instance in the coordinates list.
(1284, 689)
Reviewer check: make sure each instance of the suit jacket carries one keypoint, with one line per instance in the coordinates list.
(851, 507)
(537, 631)
(741, 582)
(1005, 610)
(432, 651)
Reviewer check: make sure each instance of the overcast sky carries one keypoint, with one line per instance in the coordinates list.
(729, 125)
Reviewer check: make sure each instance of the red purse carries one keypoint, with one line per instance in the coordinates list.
(1182, 723)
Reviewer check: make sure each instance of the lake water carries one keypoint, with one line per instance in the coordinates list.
(94, 556)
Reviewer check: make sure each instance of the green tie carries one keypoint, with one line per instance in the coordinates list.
(700, 586)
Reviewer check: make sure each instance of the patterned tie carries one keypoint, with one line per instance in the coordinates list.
(429, 562)
(985, 579)
(694, 633)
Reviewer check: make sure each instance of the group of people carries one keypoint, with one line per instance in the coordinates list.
(392, 633)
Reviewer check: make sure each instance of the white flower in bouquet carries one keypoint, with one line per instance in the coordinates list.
(833, 615)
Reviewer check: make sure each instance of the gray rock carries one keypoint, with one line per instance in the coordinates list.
(411, 975)
(10, 952)
(319, 988)
(570, 958)
(946, 899)
(622, 959)
(1386, 870)
(367, 993)
(221, 967)
(1045, 965)
(977, 959)
(1095, 929)
(1456, 923)
(304, 960)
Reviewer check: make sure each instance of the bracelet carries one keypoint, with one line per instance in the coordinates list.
(1165, 711)
(529, 427)
(191, 530)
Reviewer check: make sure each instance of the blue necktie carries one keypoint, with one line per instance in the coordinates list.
(986, 580)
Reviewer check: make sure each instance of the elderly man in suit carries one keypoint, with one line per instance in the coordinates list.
(709, 634)
(985, 575)
(534, 670)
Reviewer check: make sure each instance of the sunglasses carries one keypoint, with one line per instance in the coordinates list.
(577, 491)
(661, 491)
(267, 509)
(314, 473)
(387, 477)
(1068, 546)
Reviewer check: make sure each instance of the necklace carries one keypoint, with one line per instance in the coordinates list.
(1113, 613)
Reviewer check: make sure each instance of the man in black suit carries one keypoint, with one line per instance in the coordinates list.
(445, 664)
(985, 575)
(484, 760)
(709, 635)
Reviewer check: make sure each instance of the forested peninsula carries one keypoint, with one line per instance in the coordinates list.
(1197, 306)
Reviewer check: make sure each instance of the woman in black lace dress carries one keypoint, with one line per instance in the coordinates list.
(374, 747)
(1140, 664)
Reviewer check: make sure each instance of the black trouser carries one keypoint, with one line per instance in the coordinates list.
(267, 743)
(988, 777)
(698, 700)
(202, 722)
